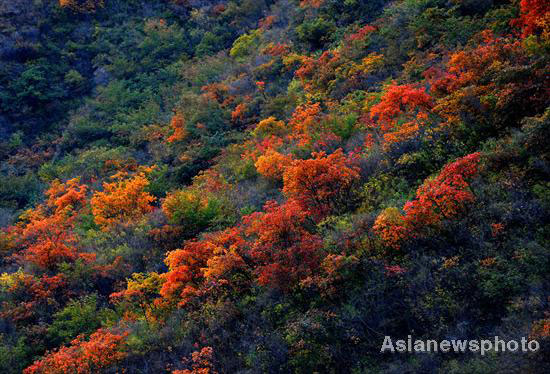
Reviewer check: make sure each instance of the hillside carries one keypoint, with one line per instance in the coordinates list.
(272, 186)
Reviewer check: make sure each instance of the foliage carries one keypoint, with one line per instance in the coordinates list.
(322, 184)
(325, 173)
(534, 17)
(444, 197)
(123, 200)
(46, 234)
(284, 250)
(82, 6)
(103, 349)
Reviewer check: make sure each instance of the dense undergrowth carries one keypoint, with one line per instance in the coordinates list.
(272, 186)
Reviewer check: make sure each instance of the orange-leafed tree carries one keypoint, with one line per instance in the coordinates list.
(238, 114)
(391, 227)
(321, 184)
(311, 3)
(272, 164)
(179, 132)
(122, 201)
(490, 54)
(84, 356)
(229, 253)
(46, 233)
(305, 122)
(474, 86)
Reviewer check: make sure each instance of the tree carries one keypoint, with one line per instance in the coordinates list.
(534, 17)
(192, 209)
(103, 349)
(270, 127)
(46, 232)
(79, 316)
(31, 297)
(283, 250)
(141, 290)
(391, 227)
(311, 3)
(122, 201)
(402, 111)
(446, 195)
(322, 184)
(305, 122)
(212, 258)
(477, 89)
(178, 126)
(443, 197)
(244, 44)
(239, 113)
(273, 164)
(201, 363)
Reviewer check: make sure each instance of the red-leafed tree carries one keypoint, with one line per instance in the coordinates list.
(402, 111)
(534, 17)
(283, 250)
(212, 258)
(446, 195)
(443, 197)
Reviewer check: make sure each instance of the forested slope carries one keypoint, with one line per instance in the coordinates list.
(272, 186)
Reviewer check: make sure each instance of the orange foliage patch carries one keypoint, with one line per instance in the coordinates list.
(238, 113)
(178, 126)
(321, 184)
(273, 164)
(210, 258)
(305, 120)
(311, 3)
(123, 200)
(103, 349)
(401, 112)
(201, 363)
(46, 233)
